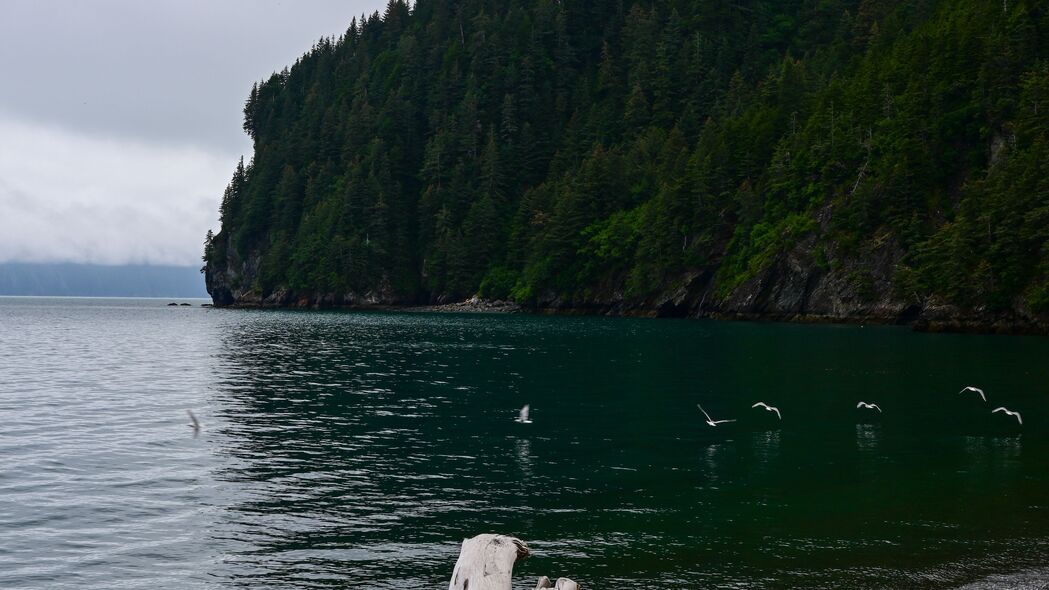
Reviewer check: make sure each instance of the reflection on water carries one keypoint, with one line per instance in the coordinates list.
(766, 445)
(994, 456)
(345, 449)
(713, 459)
(867, 437)
(765, 448)
(524, 456)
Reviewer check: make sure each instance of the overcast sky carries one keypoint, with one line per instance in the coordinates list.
(120, 120)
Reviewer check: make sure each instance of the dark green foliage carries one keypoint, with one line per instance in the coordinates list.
(547, 149)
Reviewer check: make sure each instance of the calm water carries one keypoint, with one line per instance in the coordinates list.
(341, 448)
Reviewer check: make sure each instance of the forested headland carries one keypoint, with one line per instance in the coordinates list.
(840, 159)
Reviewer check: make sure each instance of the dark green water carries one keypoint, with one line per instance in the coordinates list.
(347, 448)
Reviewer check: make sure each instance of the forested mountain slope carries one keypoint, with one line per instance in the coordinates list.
(847, 159)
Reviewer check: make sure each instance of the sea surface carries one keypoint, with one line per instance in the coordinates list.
(351, 449)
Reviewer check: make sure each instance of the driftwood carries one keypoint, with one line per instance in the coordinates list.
(486, 562)
(561, 584)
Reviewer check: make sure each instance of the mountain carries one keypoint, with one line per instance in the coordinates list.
(859, 160)
(94, 280)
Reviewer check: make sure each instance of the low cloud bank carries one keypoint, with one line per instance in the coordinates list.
(77, 198)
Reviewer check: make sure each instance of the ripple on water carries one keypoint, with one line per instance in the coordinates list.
(364, 447)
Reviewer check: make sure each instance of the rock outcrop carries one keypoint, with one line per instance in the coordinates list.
(795, 287)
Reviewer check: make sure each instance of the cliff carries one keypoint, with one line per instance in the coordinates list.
(840, 160)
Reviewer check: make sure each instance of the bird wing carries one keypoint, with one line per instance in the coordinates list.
(196, 423)
(777, 412)
(722, 421)
(762, 404)
(876, 407)
(860, 405)
(1009, 412)
(704, 412)
(524, 412)
(976, 389)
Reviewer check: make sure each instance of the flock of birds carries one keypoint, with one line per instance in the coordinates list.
(864, 406)
(523, 414)
(523, 418)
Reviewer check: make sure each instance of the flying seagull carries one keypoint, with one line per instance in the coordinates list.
(1011, 413)
(196, 423)
(976, 389)
(868, 406)
(768, 408)
(523, 416)
(710, 420)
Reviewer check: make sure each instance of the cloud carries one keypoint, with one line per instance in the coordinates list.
(167, 70)
(66, 196)
(120, 120)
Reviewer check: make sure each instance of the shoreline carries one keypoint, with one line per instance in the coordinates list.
(935, 323)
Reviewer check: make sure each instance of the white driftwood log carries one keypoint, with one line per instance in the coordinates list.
(486, 562)
(562, 584)
(565, 584)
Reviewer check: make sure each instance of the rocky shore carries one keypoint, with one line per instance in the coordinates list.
(471, 305)
(794, 288)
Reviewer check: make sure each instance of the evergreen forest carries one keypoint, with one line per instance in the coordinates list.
(581, 152)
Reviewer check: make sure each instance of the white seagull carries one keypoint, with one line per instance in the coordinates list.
(196, 423)
(523, 416)
(769, 408)
(868, 406)
(976, 389)
(1011, 413)
(710, 420)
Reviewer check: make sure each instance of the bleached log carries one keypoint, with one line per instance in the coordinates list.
(562, 584)
(486, 562)
(565, 584)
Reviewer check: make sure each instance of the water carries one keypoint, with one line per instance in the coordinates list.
(346, 449)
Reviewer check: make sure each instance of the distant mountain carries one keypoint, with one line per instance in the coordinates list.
(95, 280)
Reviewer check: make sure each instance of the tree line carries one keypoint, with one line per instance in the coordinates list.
(532, 150)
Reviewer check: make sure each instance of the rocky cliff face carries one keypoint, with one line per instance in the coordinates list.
(232, 281)
(795, 288)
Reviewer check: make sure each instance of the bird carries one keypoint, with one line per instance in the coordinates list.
(976, 389)
(523, 416)
(710, 420)
(769, 408)
(868, 406)
(196, 423)
(1011, 413)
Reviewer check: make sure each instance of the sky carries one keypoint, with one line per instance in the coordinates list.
(120, 120)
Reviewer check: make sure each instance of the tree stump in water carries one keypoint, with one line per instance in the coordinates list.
(486, 562)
